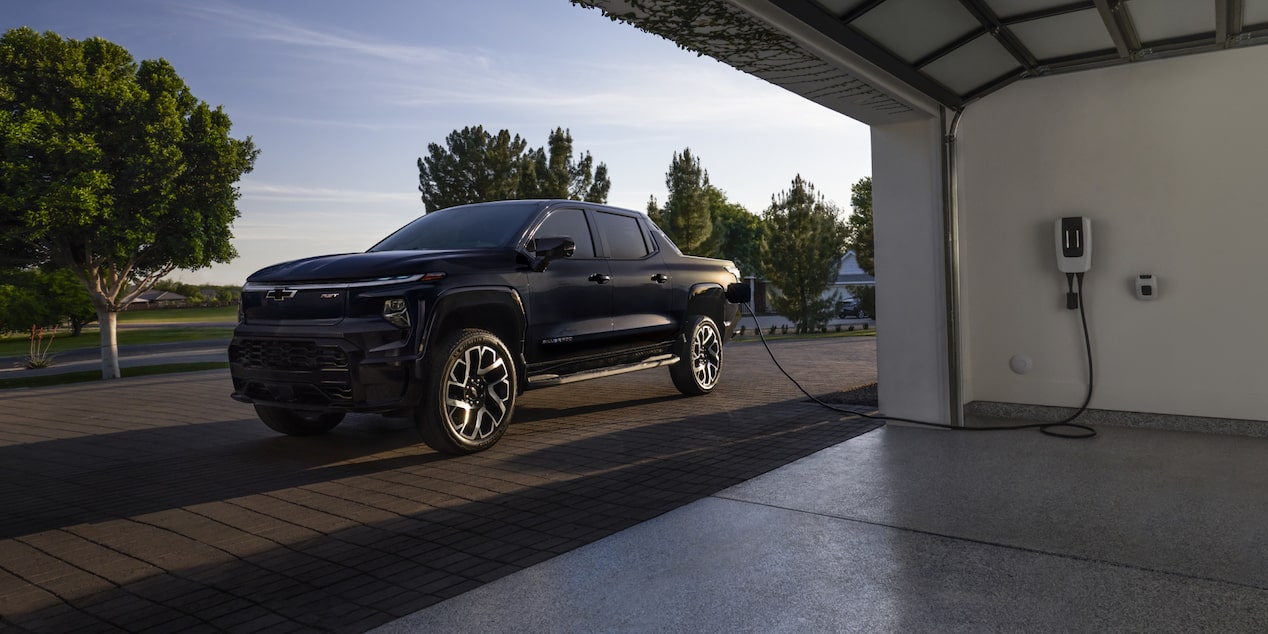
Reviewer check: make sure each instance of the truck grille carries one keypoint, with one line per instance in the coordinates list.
(331, 386)
(269, 354)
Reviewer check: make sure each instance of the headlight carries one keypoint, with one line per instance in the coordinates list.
(395, 313)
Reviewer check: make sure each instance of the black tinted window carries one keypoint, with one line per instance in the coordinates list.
(467, 227)
(569, 223)
(622, 235)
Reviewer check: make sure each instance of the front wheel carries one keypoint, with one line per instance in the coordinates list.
(700, 358)
(298, 422)
(470, 393)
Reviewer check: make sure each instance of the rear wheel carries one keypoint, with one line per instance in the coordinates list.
(470, 393)
(298, 422)
(700, 355)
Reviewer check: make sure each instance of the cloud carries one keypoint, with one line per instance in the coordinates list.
(297, 193)
(674, 90)
(261, 25)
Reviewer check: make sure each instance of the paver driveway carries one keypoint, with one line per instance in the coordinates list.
(159, 504)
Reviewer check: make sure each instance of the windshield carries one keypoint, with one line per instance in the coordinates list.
(466, 227)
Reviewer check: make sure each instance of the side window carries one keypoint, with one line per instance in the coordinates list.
(571, 223)
(622, 235)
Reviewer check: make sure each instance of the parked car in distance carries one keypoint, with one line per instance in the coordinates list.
(850, 308)
(453, 316)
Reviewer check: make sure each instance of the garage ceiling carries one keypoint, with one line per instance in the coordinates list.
(889, 60)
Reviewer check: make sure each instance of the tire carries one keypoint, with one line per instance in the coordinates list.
(700, 354)
(470, 397)
(298, 422)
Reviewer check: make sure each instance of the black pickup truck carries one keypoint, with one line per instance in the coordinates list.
(453, 316)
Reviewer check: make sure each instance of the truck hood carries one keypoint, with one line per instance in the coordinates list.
(372, 265)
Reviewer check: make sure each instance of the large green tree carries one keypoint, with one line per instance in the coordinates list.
(475, 165)
(111, 169)
(41, 298)
(804, 243)
(686, 216)
(736, 235)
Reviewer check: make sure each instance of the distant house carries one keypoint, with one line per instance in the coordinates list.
(157, 299)
(849, 273)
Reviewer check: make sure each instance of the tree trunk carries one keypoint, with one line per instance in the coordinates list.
(109, 344)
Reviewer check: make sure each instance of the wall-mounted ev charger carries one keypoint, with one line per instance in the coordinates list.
(1074, 244)
(1074, 254)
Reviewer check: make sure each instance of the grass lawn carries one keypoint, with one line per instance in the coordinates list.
(19, 344)
(180, 315)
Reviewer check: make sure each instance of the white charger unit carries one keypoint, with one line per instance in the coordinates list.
(1074, 244)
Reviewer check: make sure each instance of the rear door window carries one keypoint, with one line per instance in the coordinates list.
(623, 236)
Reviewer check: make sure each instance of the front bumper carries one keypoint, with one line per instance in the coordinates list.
(357, 366)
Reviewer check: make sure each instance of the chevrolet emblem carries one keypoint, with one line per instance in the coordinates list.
(280, 294)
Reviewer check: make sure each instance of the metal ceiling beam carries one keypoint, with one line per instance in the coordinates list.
(1229, 15)
(830, 26)
(989, 21)
(1119, 24)
(1050, 12)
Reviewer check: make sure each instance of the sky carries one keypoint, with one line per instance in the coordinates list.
(342, 98)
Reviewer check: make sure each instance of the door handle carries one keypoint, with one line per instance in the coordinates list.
(660, 278)
(600, 278)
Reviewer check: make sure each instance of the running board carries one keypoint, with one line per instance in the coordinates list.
(548, 380)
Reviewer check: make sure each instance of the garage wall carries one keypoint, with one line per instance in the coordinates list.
(911, 332)
(1168, 160)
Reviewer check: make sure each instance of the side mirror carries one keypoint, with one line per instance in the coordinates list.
(550, 248)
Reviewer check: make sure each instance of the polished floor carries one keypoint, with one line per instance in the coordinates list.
(908, 529)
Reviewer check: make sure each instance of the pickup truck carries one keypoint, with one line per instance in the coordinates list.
(453, 316)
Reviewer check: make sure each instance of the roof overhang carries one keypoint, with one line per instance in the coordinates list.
(886, 61)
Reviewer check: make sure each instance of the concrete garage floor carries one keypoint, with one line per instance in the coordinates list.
(158, 504)
(915, 530)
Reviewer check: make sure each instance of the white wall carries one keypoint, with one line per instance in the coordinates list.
(911, 335)
(1168, 160)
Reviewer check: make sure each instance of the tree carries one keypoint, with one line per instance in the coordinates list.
(41, 298)
(736, 235)
(68, 299)
(804, 243)
(685, 217)
(475, 166)
(22, 304)
(478, 166)
(860, 240)
(111, 169)
(859, 226)
(552, 172)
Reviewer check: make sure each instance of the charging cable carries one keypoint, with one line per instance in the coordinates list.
(1056, 429)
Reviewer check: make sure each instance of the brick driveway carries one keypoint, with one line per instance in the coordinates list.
(159, 504)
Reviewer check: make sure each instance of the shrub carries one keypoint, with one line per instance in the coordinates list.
(40, 356)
